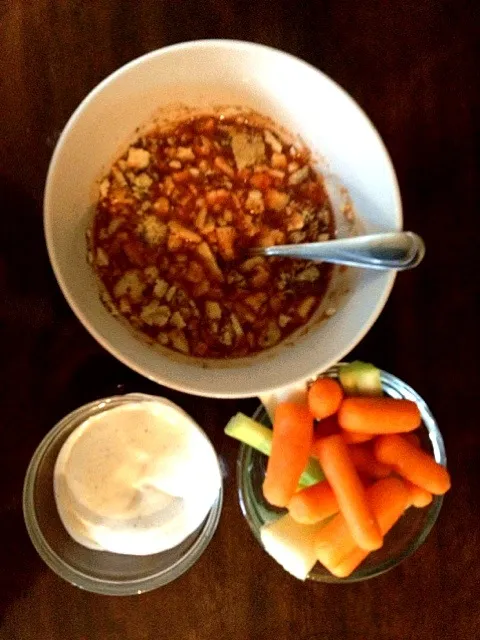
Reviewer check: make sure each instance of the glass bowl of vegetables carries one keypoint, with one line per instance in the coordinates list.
(295, 544)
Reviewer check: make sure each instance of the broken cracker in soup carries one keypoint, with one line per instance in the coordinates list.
(175, 218)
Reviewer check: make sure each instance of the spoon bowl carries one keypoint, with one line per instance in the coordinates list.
(396, 251)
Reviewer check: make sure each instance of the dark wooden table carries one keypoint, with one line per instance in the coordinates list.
(411, 65)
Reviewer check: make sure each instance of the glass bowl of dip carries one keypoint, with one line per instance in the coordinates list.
(401, 541)
(101, 572)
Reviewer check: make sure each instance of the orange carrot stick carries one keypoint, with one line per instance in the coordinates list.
(354, 437)
(332, 453)
(418, 497)
(348, 565)
(413, 464)
(291, 444)
(366, 463)
(379, 415)
(334, 542)
(388, 498)
(313, 504)
(324, 397)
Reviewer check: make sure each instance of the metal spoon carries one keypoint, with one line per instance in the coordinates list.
(398, 250)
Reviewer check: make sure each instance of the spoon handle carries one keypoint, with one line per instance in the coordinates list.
(397, 250)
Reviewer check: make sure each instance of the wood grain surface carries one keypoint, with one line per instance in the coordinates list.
(413, 66)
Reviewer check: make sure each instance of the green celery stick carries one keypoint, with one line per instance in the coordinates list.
(360, 379)
(250, 432)
(259, 437)
(311, 475)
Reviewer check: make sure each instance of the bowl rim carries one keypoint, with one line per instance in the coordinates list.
(400, 389)
(159, 376)
(77, 577)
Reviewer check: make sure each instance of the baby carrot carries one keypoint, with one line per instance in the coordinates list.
(354, 437)
(418, 497)
(379, 415)
(388, 498)
(413, 464)
(324, 397)
(332, 453)
(365, 462)
(334, 542)
(349, 563)
(313, 504)
(291, 444)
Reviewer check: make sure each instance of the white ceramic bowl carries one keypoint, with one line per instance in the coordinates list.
(203, 74)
